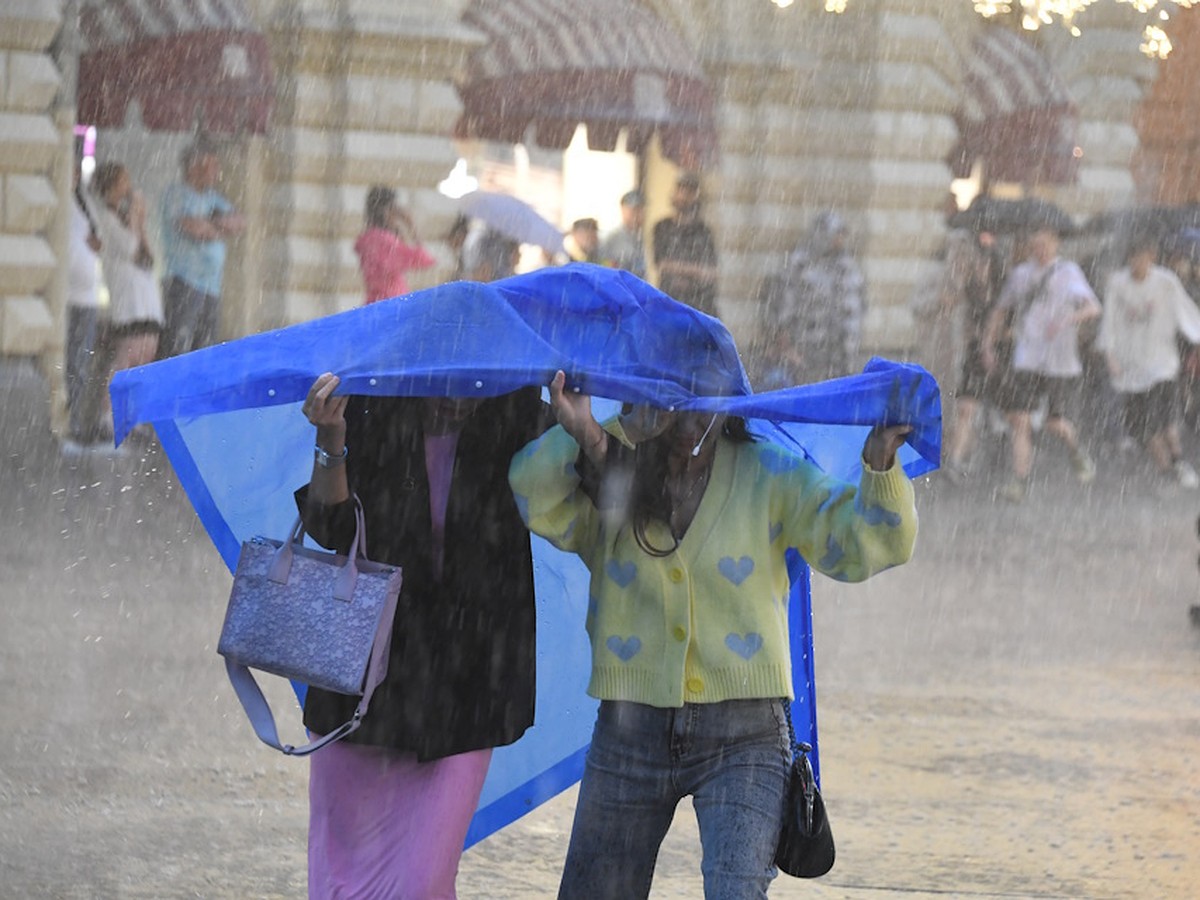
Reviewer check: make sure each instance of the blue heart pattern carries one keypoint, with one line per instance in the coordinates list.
(833, 554)
(876, 515)
(735, 571)
(776, 531)
(625, 649)
(744, 646)
(622, 573)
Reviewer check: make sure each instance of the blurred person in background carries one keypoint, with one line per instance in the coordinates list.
(83, 274)
(582, 242)
(684, 250)
(196, 223)
(135, 304)
(1145, 308)
(813, 309)
(625, 246)
(984, 273)
(492, 256)
(1048, 299)
(389, 247)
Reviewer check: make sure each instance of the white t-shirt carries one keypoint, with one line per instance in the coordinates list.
(1141, 319)
(1045, 343)
(82, 272)
(133, 291)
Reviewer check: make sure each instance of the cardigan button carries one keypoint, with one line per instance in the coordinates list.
(680, 633)
(695, 685)
(676, 575)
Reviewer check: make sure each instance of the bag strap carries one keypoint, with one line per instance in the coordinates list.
(250, 695)
(800, 751)
(258, 711)
(1035, 293)
(797, 746)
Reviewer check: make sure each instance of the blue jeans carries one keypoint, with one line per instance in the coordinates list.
(732, 758)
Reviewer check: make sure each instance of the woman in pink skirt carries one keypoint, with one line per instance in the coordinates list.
(391, 803)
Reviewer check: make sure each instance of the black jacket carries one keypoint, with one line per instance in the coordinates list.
(461, 670)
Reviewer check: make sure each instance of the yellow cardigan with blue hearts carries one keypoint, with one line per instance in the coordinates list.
(709, 621)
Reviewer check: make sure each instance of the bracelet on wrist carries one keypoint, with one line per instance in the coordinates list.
(329, 460)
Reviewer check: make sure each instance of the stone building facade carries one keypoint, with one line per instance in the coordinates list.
(813, 110)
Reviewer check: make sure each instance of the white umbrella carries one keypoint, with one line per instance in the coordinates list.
(512, 217)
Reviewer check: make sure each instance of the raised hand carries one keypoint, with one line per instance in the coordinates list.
(573, 411)
(328, 413)
(879, 451)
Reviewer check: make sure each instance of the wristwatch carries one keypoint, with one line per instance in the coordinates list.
(328, 460)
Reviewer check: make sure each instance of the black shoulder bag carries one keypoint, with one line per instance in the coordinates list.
(805, 847)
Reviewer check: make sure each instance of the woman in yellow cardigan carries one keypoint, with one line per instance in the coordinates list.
(683, 520)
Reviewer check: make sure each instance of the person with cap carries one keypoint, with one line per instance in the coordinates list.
(684, 250)
(684, 521)
(1048, 298)
(582, 243)
(625, 247)
(813, 309)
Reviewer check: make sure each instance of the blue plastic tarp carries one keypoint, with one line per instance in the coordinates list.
(229, 420)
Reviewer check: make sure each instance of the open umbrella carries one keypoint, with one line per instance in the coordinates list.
(615, 336)
(1184, 243)
(512, 217)
(1003, 216)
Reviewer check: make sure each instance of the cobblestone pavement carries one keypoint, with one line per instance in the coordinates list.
(1013, 714)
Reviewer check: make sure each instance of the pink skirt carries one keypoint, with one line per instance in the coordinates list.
(382, 825)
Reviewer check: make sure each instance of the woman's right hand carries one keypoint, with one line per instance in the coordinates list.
(328, 413)
(573, 411)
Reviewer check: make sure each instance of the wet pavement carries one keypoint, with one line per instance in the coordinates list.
(1014, 714)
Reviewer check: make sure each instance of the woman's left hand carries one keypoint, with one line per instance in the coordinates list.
(882, 443)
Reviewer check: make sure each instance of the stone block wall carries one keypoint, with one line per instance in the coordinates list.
(30, 142)
(365, 96)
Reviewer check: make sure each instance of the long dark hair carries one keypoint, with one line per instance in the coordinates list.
(650, 498)
(379, 201)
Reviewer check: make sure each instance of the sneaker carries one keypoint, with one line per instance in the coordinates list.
(72, 448)
(1085, 469)
(1013, 492)
(1186, 475)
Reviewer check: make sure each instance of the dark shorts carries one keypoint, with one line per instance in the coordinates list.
(1152, 411)
(1025, 390)
(976, 382)
(136, 328)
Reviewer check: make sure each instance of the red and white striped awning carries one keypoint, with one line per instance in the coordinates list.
(1017, 114)
(185, 62)
(610, 64)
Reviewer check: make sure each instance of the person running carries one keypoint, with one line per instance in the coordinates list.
(1049, 298)
(1145, 308)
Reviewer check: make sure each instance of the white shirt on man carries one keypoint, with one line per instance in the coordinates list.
(1141, 320)
(1045, 342)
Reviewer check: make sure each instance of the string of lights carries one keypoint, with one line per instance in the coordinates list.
(1036, 13)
